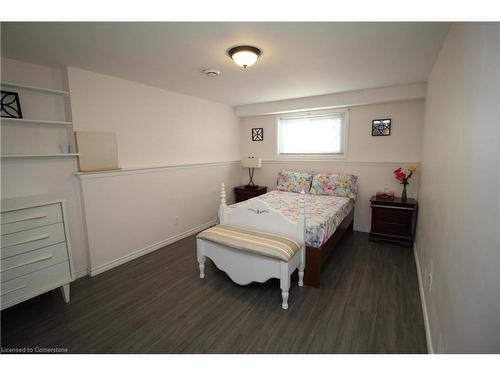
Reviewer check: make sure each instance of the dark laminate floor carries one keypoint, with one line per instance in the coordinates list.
(369, 303)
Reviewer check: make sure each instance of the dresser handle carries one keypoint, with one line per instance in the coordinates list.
(31, 240)
(46, 257)
(393, 207)
(13, 290)
(25, 219)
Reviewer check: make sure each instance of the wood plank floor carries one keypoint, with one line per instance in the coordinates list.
(368, 303)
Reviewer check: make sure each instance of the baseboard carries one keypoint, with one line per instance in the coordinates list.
(80, 274)
(428, 337)
(148, 249)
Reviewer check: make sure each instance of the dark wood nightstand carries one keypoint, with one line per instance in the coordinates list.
(393, 220)
(242, 194)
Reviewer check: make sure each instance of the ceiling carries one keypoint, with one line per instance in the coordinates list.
(299, 59)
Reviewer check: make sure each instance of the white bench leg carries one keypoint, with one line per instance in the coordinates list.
(201, 263)
(284, 284)
(201, 257)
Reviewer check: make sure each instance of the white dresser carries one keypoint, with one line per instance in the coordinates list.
(35, 250)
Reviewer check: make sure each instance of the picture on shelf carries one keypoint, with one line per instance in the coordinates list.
(10, 106)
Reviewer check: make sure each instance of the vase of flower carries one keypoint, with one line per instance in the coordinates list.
(404, 179)
(403, 194)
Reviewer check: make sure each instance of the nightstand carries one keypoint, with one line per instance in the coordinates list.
(393, 220)
(242, 194)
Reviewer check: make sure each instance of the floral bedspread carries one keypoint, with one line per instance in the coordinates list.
(324, 213)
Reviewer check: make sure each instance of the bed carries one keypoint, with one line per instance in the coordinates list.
(329, 212)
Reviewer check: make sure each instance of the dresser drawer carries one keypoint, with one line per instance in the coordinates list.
(28, 240)
(32, 261)
(28, 218)
(30, 285)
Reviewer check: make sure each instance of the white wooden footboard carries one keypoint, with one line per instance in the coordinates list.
(246, 267)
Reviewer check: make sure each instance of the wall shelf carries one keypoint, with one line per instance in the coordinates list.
(35, 88)
(23, 121)
(14, 156)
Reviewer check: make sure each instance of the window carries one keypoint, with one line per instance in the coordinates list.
(312, 133)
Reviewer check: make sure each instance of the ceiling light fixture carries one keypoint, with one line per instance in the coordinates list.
(244, 56)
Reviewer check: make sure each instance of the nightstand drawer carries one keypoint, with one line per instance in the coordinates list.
(392, 215)
(393, 229)
(28, 240)
(28, 218)
(32, 261)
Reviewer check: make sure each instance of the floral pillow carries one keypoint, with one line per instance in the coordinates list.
(294, 182)
(340, 185)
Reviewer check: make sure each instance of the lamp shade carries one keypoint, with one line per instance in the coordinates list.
(251, 162)
(244, 56)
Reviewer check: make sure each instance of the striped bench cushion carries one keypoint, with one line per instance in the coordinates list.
(262, 243)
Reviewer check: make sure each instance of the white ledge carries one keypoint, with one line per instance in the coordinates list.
(43, 90)
(340, 162)
(345, 99)
(151, 169)
(20, 156)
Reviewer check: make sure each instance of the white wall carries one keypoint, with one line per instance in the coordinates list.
(132, 212)
(458, 223)
(372, 159)
(22, 177)
(153, 126)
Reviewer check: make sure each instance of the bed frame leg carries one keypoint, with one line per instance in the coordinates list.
(284, 284)
(302, 265)
(301, 277)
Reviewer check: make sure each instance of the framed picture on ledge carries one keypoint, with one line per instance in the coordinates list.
(10, 106)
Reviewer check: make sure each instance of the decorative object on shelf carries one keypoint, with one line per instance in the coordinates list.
(10, 106)
(404, 179)
(97, 151)
(65, 148)
(244, 56)
(385, 195)
(381, 127)
(257, 134)
(251, 163)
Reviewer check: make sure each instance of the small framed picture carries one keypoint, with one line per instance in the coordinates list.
(10, 107)
(381, 127)
(257, 134)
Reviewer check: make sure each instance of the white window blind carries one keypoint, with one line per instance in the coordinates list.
(312, 134)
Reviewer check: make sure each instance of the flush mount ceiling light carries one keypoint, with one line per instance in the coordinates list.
(244, 56)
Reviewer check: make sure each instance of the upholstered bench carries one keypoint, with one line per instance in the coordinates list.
(257, 242)
(243, 247)
(248, 255)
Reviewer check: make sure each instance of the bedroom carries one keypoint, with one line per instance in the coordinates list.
(126, 141)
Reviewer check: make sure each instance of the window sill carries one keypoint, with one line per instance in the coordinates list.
(309, 157)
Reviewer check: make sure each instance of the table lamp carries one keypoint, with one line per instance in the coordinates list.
(251, 163)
